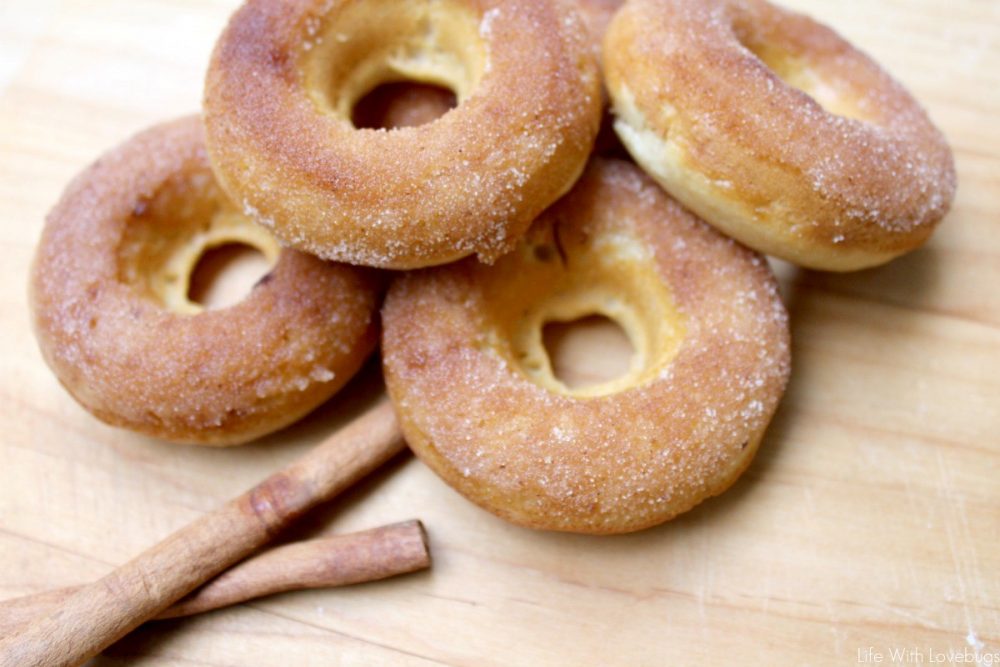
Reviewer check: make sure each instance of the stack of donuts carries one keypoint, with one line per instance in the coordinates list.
(468, 201)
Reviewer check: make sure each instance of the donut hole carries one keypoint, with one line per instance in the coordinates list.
(188, 248)
(363, 46)
(392, 106)
(570, 348)
(558, 289)
(796, 69)
(225, 274)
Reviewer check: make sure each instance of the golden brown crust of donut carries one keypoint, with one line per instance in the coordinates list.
(470, 182)
(622, 457)
(219, 377)
(709, 98)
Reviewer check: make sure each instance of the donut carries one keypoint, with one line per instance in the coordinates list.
(477, 399)
(776, 131)
(109, 298)
(285, 77)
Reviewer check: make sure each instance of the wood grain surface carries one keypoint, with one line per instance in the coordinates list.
(869, 522)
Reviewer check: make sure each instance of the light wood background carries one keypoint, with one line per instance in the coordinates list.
(870, 518)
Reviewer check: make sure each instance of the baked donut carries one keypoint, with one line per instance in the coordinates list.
(477, 399)
(109, 297)
(777, 131)
(285, 77)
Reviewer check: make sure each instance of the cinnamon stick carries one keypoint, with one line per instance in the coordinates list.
(341, 560)
(100, 613)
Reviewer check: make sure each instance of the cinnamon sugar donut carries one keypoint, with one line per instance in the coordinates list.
(285, 77)
(777, 131)
(478, 402)
(109, 295)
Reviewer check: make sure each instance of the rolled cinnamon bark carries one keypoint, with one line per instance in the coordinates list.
(341, 560)
(98, 614)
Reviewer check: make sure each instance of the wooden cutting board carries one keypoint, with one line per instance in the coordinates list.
(869, 522)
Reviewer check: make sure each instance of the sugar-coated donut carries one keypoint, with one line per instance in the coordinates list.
(285, 77)
(109, 295)
(478, 401)
(777, 131)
